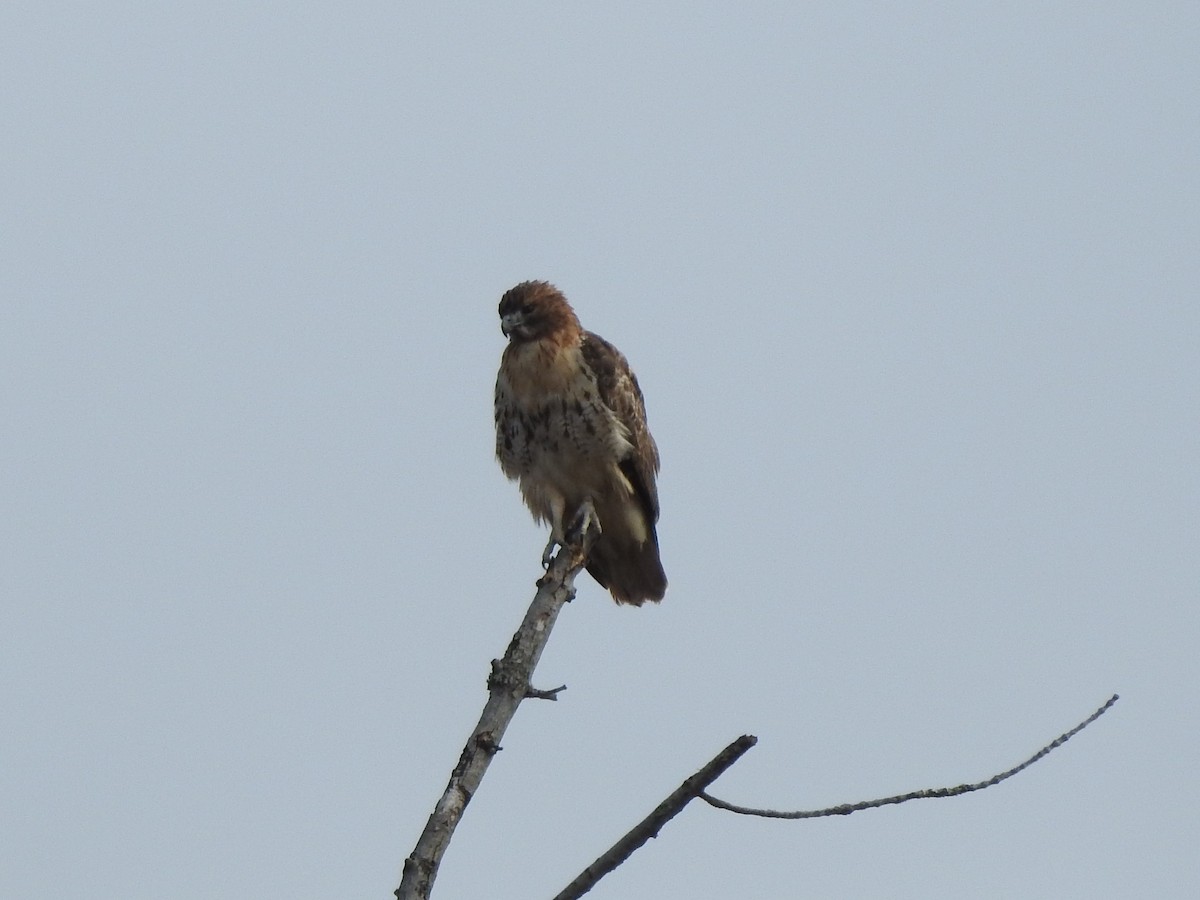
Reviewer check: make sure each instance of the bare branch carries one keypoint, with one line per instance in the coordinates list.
(533, 693)
(508, 684)
(847, 808)
(695, 787)
(664, 812)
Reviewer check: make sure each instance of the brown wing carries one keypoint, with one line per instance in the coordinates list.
(619, 391)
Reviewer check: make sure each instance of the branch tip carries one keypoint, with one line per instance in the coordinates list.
(552, 694)
(650, 826)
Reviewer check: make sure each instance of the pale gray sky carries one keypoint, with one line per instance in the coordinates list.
(913, 291)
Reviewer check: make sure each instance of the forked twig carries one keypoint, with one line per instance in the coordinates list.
(695, 787)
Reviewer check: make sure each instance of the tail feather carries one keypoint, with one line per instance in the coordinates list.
(631, 570)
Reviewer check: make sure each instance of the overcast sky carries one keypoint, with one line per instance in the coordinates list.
(913, 292)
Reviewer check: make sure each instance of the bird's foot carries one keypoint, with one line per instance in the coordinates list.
(585, 527)
(581, 533)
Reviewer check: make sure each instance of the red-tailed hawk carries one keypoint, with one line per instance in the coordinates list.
(571, 427)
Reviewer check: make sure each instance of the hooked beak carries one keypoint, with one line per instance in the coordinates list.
(510, 323)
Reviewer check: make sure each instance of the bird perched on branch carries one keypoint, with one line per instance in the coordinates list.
(571, 429)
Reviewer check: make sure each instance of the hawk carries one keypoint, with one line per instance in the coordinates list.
(571, 430)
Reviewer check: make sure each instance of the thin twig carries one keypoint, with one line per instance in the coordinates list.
(508, 685)
(847, 808)
(533, 693)
(664, 812)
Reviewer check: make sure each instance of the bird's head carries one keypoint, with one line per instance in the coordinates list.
(534, 310)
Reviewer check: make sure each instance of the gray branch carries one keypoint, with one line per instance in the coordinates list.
(508, 685)
(846, 808)
(650, 826)
(695, 787)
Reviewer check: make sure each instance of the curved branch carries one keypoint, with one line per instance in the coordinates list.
(847, 808)
(508, 684)
(695, 787)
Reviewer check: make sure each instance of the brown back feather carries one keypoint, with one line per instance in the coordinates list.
(619, 391)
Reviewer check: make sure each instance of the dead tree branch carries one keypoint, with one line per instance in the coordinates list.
(847, 808)
(508, 685)
(649, 827)
(695, 787)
